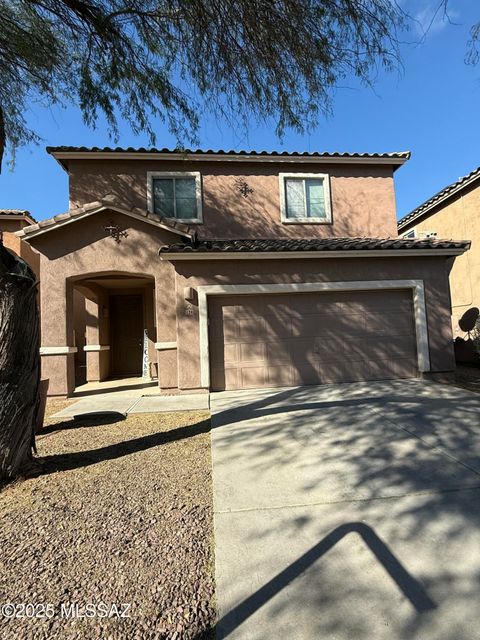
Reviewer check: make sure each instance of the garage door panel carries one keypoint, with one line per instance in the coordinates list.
(231, 354)
(229, 331)
(252, 352)
(391, 369)
(281, 376)
(253, 377)
(356, 349)
(390, 324)
(317, 350)
(276, 328)
(392, 347)
(279, 352)
(251, 329)
(316, 338)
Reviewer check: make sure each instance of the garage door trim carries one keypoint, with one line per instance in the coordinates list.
(416, 286)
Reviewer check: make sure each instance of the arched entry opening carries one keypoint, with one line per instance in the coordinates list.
(114, 327)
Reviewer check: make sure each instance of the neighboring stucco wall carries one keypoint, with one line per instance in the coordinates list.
(363, 198)
(18, 246)
(459, 219)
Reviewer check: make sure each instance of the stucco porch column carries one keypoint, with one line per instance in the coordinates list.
(166, 321)
(57, 350)
(97, 347)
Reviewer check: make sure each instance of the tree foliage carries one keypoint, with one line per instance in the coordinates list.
(145, 59)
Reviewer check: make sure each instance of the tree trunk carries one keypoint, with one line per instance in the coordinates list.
(19, 366)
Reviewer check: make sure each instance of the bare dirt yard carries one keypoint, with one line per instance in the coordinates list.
(115, 539)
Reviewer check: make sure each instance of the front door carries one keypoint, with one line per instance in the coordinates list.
(126, 335)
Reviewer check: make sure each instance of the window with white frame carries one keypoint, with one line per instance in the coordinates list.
(409, 234)
(175, 195)
(305, 197)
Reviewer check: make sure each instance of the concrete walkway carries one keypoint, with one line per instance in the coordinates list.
(130, 396)
(347, 512)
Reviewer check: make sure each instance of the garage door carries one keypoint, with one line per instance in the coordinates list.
(312, 338)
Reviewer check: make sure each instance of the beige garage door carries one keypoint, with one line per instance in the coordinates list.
(312, 338)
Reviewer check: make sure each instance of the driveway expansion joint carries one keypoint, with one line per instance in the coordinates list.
(435, 448)
(347, 501)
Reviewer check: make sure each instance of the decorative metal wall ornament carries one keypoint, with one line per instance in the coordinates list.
(243, 187)
(114, 231)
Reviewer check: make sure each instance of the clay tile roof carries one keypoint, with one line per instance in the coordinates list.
(18, 213)
(443, 194)
(320, 245)
(99, 205)
(64, 154)
(398, 155)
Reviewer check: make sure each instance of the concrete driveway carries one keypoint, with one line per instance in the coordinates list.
(348, 512)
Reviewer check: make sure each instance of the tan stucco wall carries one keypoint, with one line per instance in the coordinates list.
(459, 219)
(83, 248)
(363, 198)
(433, 271)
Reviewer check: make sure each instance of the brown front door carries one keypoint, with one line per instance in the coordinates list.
(126, 335)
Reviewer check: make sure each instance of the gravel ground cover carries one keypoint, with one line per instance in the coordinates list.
(122, 515)
(467, 377)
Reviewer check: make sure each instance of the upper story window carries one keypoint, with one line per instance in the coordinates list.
(305, 198)
(176, 195)
(409, 234)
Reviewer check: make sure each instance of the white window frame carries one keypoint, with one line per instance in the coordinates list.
(283, 198)
(151, 175)
(411, 233)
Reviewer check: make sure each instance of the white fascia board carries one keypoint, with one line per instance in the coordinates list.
(211, 157)
(296, 255)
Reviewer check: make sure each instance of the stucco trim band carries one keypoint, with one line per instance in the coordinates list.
(96, 347)
(57, 351)
(417, 287)
(164, 346)
(296, 255)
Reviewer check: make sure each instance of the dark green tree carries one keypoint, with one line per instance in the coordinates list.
(142, 60)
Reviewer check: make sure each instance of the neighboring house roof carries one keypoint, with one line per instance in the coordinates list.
(322, 247)
(441, 196)
(65, 153)
(17, 213)
(95, 207)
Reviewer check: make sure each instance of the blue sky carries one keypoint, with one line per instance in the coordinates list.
(431, 108)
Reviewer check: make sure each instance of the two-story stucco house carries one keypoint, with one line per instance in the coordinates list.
(229, 270)
(454, 212)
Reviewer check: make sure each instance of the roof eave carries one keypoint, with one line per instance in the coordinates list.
(404, 223)
(62, 157)
(295, 255)
(85, 213)
(22, 217)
